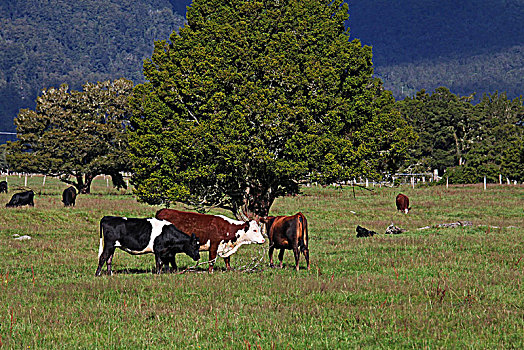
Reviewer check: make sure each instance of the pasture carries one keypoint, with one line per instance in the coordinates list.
(434, 288)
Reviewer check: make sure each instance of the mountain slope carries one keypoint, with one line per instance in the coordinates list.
(467, 46)
(48, 43)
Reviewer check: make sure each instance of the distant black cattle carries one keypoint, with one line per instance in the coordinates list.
(3, 186)
(364, 232)
(141, 236)
(69, 196)
(20, 199)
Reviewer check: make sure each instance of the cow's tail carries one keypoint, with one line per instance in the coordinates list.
(101, 246)
(302, 229)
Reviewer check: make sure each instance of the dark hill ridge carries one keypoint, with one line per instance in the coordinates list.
(412, 30)
(466, 46)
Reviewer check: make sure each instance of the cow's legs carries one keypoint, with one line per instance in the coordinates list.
(212, 257)
(271, 249)
(305, 251)
(173, 263)
(281, 257)
(296, 252)
(228, 266)
(161, 264)
(105, 257)
(109, 262)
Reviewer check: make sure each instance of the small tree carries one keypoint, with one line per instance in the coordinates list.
(75, 135)
(250, 98)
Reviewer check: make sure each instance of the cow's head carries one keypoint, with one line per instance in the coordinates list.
(407, 210)
(250, 234)
(192, 248)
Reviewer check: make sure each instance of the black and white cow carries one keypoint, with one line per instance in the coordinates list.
(3, 186)
(21, 198)
(69, 196)
(141, 236)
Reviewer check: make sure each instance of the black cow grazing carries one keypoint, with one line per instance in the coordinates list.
(402, 202)
(141, 236)
(69, 196)
(287, 232)
(20, 199)
(364, 232)
(3, 186)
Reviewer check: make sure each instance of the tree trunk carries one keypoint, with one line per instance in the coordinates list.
(457, 147)
(83, 184)
(88, 180)
(257, 203)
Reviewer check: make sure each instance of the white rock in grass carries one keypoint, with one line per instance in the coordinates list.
(21, 238)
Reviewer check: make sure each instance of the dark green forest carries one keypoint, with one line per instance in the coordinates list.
(463, 141)
(45, 43)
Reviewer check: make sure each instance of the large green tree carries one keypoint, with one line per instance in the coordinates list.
(76, 135)
(251, 97)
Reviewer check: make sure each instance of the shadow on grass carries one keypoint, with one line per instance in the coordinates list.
(153, 271)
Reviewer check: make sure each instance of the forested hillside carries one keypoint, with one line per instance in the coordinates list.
(483, 73)
(48, 43)
(468, 46)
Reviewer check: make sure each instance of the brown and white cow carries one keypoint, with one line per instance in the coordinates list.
(287, 232)
(218, 234)
(402, 202)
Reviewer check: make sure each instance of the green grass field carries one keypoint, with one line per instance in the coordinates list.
(434, 288)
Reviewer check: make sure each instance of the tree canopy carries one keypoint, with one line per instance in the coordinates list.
(249, 98)
(75, 135)
(465, 140)
(443, 122)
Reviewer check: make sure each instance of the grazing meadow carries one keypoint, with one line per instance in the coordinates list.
(437, 287)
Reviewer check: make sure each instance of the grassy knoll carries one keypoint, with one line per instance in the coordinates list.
(433, 288)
